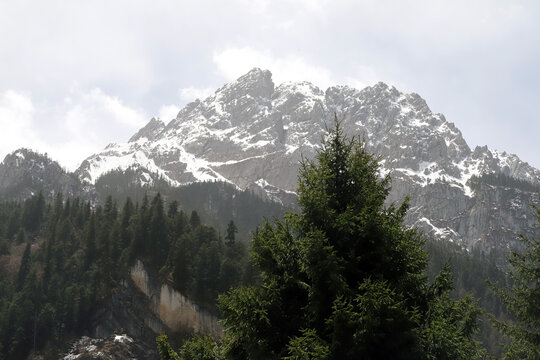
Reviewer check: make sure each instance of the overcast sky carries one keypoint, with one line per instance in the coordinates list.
(77, 75)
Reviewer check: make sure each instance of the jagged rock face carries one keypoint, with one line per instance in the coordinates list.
(24, 173)
(253, 134)
(179, 314)
(115, 347)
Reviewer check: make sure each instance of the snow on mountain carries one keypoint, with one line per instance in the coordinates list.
(253, 135)
(24, 173)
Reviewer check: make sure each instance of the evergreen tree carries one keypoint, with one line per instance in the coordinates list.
(345, 276)
(24, 269)
(523, 299)
(231, 233)
(141, 228)
(165, 350)
(194, 220)
(90, 241)
(33, 212)
(158, 234)
(173, 209)
(125, 230)
(13, 222)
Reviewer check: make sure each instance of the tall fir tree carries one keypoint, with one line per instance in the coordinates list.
(24, 269)
(523, 299)
(232, 230)
(344, 279)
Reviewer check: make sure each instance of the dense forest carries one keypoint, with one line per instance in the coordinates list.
(500, 179)
(216, 202)
(62, 260)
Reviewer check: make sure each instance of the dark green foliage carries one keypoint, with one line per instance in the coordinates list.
(194, 220)
(523, 300)
(33, 212)
(231, 233)
(216, 203)
(500, 179)
(202, 267)
(199, 348)
(14, 222)
(307, 346)
(126, 184)
(165, 350)
(158, 234)
(470, 271)
(78, 256)
(24, 268)
(345, 274)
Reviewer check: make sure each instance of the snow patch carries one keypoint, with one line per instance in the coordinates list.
(19, 155)
(444, 233)
(123, 339)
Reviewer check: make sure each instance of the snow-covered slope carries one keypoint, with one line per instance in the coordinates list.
(253, 135)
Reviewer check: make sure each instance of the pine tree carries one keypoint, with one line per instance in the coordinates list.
(194, 220)
(14, 222)
(345, 276)
(523, 299)
(125, 230)
(24, 269)
(90, 247)
(173, 209)
(231, 233)
(158, 233)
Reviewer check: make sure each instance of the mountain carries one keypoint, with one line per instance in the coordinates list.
(25, 172)
(253, 135)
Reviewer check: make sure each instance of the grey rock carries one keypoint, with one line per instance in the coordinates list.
(253, 134)
(24, 173)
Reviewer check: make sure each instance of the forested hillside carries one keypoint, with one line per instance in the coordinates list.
(216, 202)
(61, 261)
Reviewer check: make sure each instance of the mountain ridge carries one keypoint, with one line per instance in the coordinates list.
(218, 119)
(253, 135)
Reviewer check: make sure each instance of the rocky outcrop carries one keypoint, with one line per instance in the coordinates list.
(142, 308)
(114, 347)
(149, 131)
(24, 173)
(174, 310)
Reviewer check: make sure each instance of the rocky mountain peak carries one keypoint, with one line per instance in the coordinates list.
(29, 160)
(256, 83)
(253, 135)
(25, 172)
(150, 130)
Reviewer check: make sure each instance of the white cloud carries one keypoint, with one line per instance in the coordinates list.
(168, 112)
(16, 122)
(84, 124)
(234, 62)
(91, 115)
(191, 93)
(92, 120)
(461, 55)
